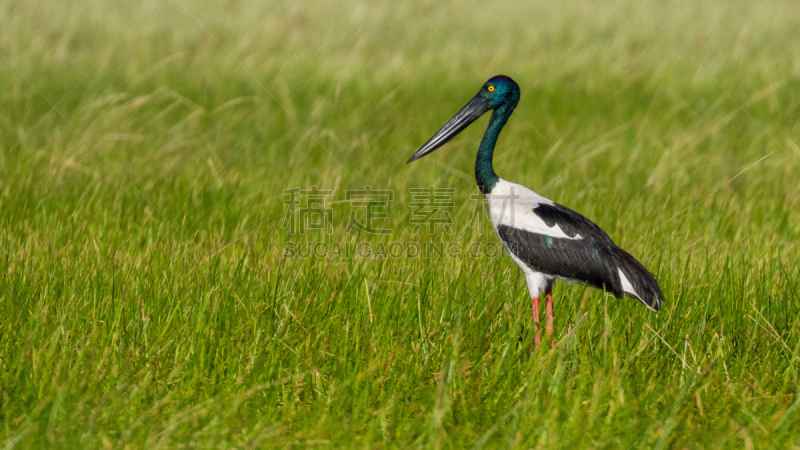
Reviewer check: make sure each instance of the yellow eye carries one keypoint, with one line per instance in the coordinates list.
(490, 88)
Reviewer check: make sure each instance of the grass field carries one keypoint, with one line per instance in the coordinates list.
(147, 298)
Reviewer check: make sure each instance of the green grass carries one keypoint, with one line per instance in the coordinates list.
(145, 148)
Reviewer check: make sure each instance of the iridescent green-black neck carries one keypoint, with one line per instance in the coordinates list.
(484, 171)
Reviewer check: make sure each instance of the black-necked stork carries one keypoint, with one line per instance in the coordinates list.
(545, 239)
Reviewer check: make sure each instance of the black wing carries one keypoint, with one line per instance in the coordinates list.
(570, 222)
(593, 259)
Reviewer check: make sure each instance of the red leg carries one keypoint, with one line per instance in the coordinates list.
(537, 339)
(549, 306)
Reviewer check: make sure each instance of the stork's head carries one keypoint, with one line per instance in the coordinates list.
(499, 92)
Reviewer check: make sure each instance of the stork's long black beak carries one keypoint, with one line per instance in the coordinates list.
(468, 114)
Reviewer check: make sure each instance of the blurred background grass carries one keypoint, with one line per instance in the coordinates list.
(145, 147)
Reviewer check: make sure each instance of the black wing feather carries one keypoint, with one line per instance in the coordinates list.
(570, 222)
(593, 259)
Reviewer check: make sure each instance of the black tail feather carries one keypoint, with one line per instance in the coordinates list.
(644, 284)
